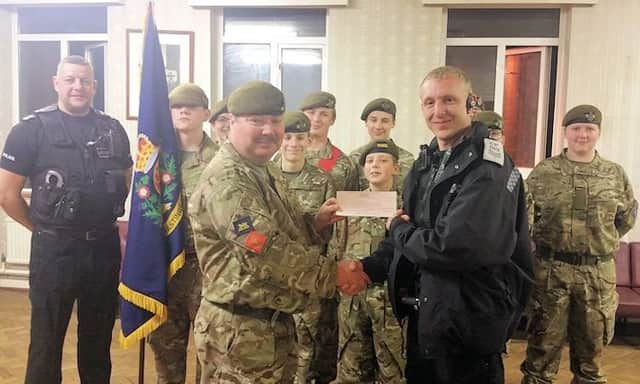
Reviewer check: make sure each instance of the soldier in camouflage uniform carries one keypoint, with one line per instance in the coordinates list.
(189, 110)
(370, 342)
(259, 254)
(312, 186)
(219, 122)
(583, 204)
(379, 117)
(320, 108)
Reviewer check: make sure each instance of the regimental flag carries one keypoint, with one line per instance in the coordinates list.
(155, 240)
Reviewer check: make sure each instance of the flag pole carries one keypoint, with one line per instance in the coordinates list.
(141, 362)
(141, 348)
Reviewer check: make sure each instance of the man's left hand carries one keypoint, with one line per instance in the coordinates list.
(327, 215)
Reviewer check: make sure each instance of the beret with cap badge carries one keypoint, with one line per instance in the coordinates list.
(296, 122)
(379, 104)
(584, 113)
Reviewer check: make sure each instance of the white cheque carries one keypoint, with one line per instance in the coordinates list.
(364, 203)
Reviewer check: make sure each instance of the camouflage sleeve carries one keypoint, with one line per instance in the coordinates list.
(529, 201)
(352, 182)
(330, 189)
(338, 241)
(256, 244)
(627, 208)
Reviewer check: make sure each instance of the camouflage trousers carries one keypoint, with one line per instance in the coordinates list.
(370, 341)
(169, 342)
(574, 303)
(237, 348)
(306, 340)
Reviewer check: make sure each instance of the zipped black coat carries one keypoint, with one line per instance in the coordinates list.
(465, 254)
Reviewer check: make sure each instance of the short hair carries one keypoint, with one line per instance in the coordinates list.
(448, 70)
(76, 60)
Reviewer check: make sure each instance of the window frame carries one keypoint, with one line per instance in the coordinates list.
(63, 39)
(276, 44)
(501, 43)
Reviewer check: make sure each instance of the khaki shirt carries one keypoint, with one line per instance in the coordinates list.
(311, 186)
(581, 207)
(191, 166)
(358, 237)
(344, 174)
(254, 245)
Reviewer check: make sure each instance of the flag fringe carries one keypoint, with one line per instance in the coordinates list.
(176, 264)
(149, 304)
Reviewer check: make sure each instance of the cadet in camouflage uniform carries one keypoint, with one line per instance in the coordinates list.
(260, 256)
(312, 186)
(379, 117)
(583, 204)
(219, 122)
(320, 108)
(370, 342)
(189, 110)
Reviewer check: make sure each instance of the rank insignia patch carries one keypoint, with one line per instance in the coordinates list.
(242, 226)
(255, 241)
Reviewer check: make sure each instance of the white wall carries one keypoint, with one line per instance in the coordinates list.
(173, 15)
(604, 70)
(380, 48)
(6, 97)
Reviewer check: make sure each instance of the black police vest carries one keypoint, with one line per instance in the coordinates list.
(78, 183)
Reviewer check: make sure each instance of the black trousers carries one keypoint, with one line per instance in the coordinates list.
(63, 269)
(456, 370)
(453, 369)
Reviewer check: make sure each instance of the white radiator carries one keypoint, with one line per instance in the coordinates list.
(18, 243)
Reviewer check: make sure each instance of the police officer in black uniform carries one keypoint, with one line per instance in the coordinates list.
(78, 162)
(457, 258)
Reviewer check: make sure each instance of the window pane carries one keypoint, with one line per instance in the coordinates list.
(301, 74)
(520, 107)
(62, 19)
(252, 22)
(37, 61)
(480, 65)
(503, 22)
(244, 62)
(94, 51)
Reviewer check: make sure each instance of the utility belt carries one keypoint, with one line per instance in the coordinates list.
(573, 258)
(269, 314)
(77, 233)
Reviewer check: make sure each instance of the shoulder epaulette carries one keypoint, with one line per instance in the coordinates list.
(493, 151)
(48, 108)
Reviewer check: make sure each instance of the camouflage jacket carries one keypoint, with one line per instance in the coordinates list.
(191, 166)
(405, 161)
(254, 245)
(311, 186)
(581, 207)
(344, 173)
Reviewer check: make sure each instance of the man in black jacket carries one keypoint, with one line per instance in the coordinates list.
(457, 259)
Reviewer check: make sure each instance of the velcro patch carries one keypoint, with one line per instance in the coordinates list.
(255, 241)
(242, 226)
(513, 180)
(493, 151)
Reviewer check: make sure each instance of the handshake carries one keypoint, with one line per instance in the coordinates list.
(350, 277)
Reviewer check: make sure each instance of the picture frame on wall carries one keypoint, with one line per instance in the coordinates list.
(177, 54)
